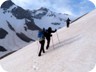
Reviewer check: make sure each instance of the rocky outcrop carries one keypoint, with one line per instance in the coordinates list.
(3, 33)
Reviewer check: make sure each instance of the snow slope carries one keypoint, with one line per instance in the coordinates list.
(19, 27)
(76, 51)
(2, 70)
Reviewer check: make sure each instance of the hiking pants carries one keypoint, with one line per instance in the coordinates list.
(42, 47)
(48, 42)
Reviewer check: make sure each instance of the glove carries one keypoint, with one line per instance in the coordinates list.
(51, 35)
(55, 30)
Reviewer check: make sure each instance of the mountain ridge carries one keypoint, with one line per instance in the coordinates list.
(19, 27)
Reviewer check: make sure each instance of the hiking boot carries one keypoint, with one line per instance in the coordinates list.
(43, 51)
(39, 55)
(47, 48)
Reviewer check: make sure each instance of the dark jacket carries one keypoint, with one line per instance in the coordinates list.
(48, 32)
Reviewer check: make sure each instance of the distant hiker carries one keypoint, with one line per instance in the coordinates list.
(68, 22)
(41, 36)
(48, 35)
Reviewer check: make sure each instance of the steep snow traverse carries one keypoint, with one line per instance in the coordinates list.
(76, 51)
(19, 27)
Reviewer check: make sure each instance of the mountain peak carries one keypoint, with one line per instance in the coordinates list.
(43, 8)
(7, 4)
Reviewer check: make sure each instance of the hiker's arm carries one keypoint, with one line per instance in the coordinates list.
(54, 31)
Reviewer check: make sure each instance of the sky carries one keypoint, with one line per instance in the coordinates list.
(71, 7)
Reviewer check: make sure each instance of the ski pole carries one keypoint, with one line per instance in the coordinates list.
(58, 37)
(38, 46)
(52, 42)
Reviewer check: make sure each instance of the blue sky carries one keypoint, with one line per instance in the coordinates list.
(72, 7)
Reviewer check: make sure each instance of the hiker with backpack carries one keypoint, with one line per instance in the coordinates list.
(41, 36)
(48, 35)
(68, 22)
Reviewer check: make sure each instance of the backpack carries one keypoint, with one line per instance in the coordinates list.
(40, 36)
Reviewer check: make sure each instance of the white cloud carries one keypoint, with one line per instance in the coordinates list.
(1, 1)
(93, 1)
(77, 7)
(31, 4)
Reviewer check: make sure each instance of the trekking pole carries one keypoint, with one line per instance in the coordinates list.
(53, 43)
(58, 37)
(38, 46)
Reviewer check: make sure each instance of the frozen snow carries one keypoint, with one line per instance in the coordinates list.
(94, 69)
(2, 70)
(76, 51)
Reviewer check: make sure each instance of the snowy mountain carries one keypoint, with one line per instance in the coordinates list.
(76, 51)
(43, 17)
(19, 27)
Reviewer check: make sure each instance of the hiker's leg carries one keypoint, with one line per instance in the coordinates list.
(43, 46)
(67, 24)
(40, 49)
(48, 43)
(40, 52)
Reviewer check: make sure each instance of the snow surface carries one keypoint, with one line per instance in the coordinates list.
(93, 70)
(76, 51)
(2, 70)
